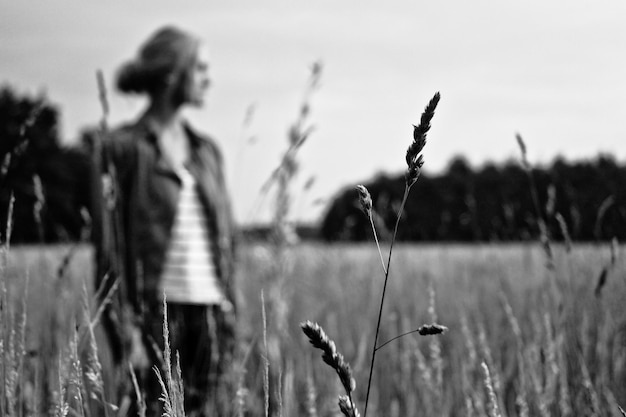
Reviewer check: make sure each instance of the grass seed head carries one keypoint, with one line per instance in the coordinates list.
(347, 407)
(522, 147)
(494, 410)
(365, 199)
(413, 171)
(331, 357)
(414, 159)
(420, 131)
(564, 231)
(432, 329)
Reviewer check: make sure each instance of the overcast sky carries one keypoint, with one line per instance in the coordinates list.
(553, 71)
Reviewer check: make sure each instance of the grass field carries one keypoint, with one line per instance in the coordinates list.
(553, 343)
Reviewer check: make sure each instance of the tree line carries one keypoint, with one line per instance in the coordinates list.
(45, 189)
(582, 200)
(44, 186)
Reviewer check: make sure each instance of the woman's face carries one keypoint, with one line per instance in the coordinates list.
(198, 80)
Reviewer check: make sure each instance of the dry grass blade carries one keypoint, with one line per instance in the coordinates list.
(604, 207)
(106, 300)
(93, 368)
(601, 281)
(172, 392)
(311, 395)
(604, 273)
(266, 361)
(614, 251)
(242, 392)
(564, 231)
(298, 133)
(494, 410)
(544, 233)
(523, 150)
(104, 102)
(141, 401)
(168, 408)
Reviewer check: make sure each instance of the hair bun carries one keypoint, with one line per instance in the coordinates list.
(168, 52)
(130, 78)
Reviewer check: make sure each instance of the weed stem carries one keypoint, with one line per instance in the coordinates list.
(395, 338)
(382, 261)
(382, 299)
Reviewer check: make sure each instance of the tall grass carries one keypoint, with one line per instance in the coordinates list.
(316, 335)
(534, 365)
(534, 330)
(495, 299)
(278, 375)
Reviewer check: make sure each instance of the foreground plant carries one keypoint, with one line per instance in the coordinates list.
(316, 335)
(335, 360)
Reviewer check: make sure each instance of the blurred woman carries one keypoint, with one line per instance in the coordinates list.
(166, 228)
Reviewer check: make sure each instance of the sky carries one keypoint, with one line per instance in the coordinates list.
(555, 72)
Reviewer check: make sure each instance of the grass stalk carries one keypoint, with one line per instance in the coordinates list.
(382, 298)
(494, 409)
(141, 401)
(414, 164)
(266, 361)
(380, 253)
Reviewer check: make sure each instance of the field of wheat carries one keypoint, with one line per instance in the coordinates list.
(524, 339)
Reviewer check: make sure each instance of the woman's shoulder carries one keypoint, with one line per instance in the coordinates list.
(126, 136)
(121, 141)
(204, 141)
(126, 132)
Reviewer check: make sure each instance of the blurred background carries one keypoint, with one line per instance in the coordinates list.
(525, 156)
(552, 72)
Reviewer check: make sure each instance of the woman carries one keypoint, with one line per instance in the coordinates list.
(166, 227)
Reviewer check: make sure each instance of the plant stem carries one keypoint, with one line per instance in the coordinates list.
(397, 337)
(382, 299)
(382, 261)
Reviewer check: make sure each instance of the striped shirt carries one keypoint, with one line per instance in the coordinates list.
(189, 274)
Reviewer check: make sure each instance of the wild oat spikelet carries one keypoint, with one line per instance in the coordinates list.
(522, 148)
(347, 407)
(365, 199)
(414, 159)
(104, 102)
(334, 359)
(606, 269)
(432, 329)
(564, 232)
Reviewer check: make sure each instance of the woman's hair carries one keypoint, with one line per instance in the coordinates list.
(164, 58)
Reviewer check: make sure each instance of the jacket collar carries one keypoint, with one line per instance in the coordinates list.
(146, 130)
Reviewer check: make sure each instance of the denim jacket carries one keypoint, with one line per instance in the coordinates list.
(136, 194)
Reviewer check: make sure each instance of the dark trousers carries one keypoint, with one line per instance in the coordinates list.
(203, 338)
